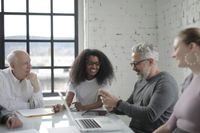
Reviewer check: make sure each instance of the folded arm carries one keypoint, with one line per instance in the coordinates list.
(95, 105)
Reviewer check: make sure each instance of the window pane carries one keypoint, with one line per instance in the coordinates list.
(40, 53)
(15, 5)
(15, 26)
(42, 6)
(44, 75)
(63, 27)
(63, 54)
(40, 37)
(9, 46)
(63, 6)
(39, 27)
(61, 77)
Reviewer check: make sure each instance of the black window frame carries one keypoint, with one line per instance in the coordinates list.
(28, 40)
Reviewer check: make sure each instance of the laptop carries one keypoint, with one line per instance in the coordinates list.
(102, 123)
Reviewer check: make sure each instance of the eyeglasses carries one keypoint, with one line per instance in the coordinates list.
(93, 63)
(135, 63)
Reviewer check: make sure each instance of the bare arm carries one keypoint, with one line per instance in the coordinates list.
(69, 99)
(95, 105)
(163, 129)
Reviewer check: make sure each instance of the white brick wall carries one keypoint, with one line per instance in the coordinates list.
(173, 16)
(114, 26)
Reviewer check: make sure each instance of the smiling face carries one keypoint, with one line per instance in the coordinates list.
(92, 66)
(180, 52)
(141, 66)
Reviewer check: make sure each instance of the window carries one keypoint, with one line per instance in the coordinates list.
(47, 30)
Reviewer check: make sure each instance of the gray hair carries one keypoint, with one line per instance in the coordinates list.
(146, 51)
(11, 58)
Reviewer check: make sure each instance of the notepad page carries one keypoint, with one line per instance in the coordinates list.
(36, 112)
(25, 131)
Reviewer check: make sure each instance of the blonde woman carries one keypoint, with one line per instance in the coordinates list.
(186, 115)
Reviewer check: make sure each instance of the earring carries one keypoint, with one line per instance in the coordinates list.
(197, 57)
(192, 59)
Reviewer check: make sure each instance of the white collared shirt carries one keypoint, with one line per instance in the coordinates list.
(15, 94)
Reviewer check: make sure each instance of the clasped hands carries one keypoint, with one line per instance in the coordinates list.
(109, 101)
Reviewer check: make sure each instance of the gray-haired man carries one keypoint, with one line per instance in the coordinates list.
(19, 87)
(154, 95)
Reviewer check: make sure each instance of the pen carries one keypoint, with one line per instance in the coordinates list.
(85, 112)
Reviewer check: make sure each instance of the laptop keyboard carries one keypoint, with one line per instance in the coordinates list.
(89, 123)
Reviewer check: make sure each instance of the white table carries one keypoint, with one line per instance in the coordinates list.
(58, 120)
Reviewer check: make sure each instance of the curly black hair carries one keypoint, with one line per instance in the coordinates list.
(78, 72)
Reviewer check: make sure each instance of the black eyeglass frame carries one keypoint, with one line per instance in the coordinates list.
(135, 63)
(93, 63)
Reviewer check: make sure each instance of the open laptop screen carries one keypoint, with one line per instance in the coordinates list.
(91, 124)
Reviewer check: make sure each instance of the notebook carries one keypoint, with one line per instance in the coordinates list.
(92, 124)
(25, 131)
(35, 112)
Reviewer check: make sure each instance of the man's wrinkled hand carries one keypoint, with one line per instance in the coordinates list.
(108, 99)
(13, 122)
(34, 81)
(58, 108)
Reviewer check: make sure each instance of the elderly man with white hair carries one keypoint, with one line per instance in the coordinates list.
(154, 95)
(19, 87)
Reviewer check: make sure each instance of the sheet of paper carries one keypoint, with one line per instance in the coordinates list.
(25, 131)
(70, 129)
(36, 112)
